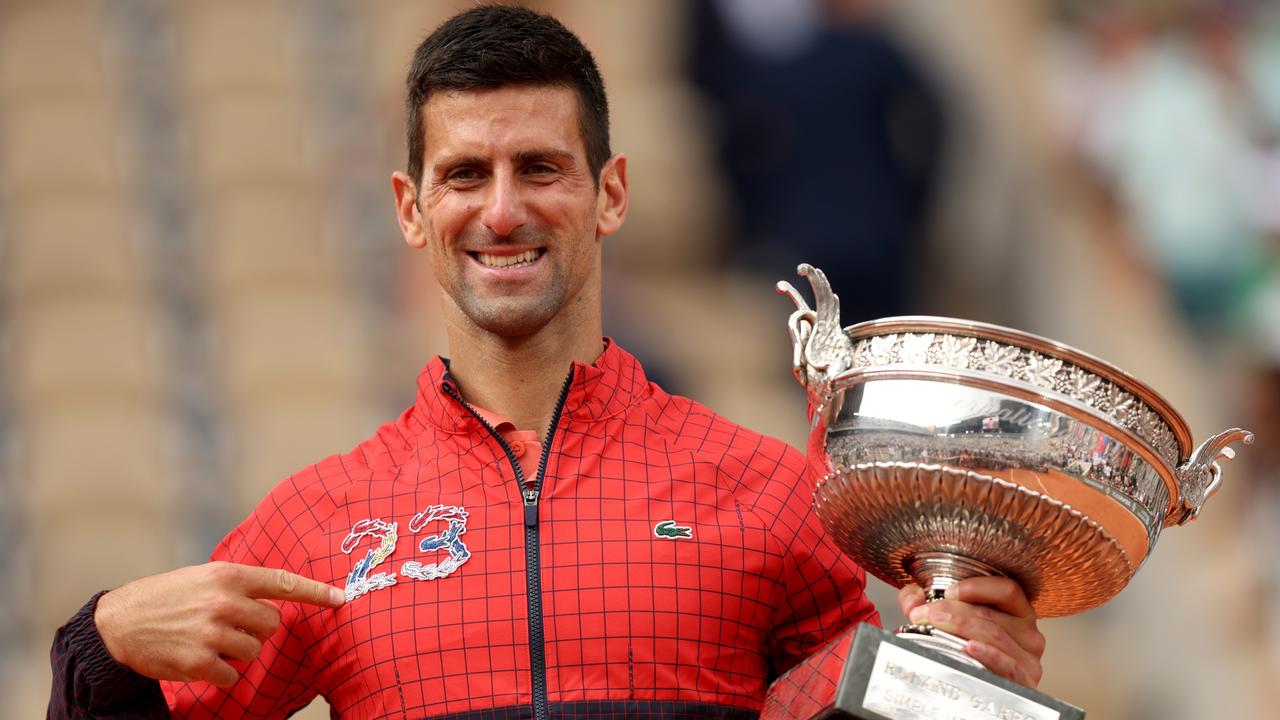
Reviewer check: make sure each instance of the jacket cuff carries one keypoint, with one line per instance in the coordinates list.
(101, 681)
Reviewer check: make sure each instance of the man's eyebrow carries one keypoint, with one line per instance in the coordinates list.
(523, 157)
(542, 154)
(449, 162)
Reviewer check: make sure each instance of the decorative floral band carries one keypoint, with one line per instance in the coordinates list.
(1018, 363)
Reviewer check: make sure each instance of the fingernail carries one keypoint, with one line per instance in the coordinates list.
(951, 593)
(919, 615)
(337, 596)
(939, 616)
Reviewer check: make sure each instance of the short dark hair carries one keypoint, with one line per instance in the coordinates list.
(495, 45)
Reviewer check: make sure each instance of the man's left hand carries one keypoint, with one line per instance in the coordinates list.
(994, 615)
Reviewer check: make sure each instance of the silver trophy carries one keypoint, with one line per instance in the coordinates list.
(949, 449)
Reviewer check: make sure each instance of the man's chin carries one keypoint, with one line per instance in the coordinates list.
(511, 322)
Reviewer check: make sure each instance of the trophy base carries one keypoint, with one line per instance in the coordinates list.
(872, 674)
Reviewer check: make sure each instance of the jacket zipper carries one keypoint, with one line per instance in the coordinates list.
(529, 494)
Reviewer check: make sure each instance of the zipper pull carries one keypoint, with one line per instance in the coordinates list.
(531, 507)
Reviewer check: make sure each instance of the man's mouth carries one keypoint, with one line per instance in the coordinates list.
(508, 261)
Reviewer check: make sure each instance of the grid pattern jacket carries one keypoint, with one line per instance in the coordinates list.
(663, 563)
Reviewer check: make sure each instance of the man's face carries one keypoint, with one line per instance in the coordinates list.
(508, 209)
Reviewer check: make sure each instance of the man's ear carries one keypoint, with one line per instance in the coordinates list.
(611, 204)
(405, 192)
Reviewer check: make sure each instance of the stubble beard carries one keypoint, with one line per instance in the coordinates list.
(522, 313)
(512, 316)
(528, 309)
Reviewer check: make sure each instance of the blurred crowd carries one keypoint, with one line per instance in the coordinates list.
(203, 287)
(1170, 115)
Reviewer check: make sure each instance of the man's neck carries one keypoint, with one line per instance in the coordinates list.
(519, 379)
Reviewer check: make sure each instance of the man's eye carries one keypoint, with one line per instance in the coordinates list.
(464, 175)
(540, 169)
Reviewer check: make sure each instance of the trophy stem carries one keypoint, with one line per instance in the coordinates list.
(935, 572)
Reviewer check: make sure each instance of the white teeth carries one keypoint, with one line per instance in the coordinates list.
(503, 261)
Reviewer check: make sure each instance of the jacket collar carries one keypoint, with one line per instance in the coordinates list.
(602, 389)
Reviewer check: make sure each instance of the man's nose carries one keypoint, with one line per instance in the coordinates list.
(504, 209)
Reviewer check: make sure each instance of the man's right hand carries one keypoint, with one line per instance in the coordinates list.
(185, 624)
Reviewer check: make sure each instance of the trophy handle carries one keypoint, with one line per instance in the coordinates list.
(820, 348)
(1201, 476)
(799, 326)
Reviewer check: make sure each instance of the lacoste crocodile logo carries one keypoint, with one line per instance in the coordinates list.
(670, 530)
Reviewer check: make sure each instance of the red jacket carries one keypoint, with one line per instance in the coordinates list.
(680, 566)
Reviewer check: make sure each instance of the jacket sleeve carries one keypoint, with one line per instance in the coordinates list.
(824, 591)
(89, 683)
(281, 680)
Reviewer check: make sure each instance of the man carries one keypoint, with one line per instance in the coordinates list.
(543, 530)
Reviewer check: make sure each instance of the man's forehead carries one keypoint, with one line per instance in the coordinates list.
(502, 118)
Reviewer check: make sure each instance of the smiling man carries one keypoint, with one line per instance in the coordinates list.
(511, 207)
(543, 532)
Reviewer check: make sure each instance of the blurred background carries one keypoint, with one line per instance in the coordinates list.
(203, 288)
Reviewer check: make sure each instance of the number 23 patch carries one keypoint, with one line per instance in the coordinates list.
(362, 579)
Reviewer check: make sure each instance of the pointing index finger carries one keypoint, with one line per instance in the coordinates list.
(277, 584)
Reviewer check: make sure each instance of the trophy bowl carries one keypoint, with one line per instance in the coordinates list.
(947, 449)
